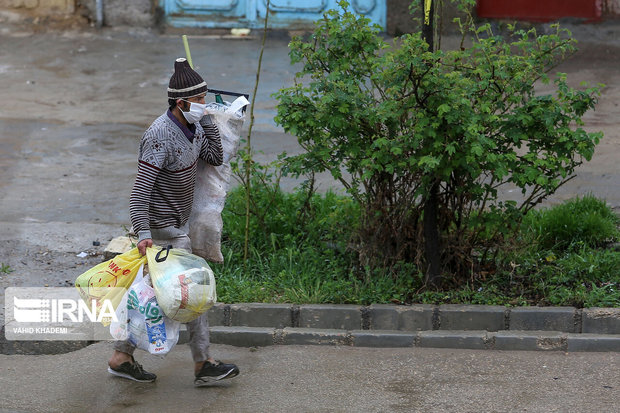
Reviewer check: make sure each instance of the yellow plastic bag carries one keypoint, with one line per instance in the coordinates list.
(184, 283)
(110, 279)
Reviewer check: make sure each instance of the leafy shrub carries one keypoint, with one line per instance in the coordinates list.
(413, 128)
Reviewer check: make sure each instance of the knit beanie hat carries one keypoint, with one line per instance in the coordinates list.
(185, 82)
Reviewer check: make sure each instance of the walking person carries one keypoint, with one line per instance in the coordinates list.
(161, 201)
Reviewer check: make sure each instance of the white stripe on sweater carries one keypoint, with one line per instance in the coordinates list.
(163, 192)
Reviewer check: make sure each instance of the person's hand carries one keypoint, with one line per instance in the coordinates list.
(143, 245)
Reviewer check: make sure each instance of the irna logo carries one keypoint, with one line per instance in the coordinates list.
(58, 310)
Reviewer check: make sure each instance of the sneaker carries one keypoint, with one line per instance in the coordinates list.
(212, 372)
(132, 371)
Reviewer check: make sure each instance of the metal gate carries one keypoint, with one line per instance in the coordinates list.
(286, 14)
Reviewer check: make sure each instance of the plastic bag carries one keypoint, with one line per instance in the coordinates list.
(212, 182)
(99, 282)
(184, 283)
(142, 322)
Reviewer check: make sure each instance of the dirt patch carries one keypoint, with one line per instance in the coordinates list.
(551, 344)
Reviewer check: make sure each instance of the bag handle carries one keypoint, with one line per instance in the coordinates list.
(158, 257)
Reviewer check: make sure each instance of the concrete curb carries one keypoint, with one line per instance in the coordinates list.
(444, 326)
(383, 325)
(417, 317)
(477, 340)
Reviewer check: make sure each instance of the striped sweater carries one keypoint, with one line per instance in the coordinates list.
(163, 193)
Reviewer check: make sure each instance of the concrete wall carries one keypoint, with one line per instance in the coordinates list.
(400, 20)
(40, 6)
(610, 8)
(139, 13)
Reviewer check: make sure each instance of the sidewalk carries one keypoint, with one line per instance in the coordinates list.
(320, 379)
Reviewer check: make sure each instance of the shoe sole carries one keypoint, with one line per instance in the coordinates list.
(127, 376)
(206, 380)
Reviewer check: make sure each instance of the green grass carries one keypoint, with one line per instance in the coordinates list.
(5, 269)
(299, 253)
(585, 220)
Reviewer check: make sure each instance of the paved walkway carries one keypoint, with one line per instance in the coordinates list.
(320, 379)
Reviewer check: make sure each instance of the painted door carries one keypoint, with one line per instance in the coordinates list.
(537, 10)
(288, 14)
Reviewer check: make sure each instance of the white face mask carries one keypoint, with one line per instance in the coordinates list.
(196, 111)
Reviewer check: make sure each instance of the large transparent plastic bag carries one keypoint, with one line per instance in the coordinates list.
(142, 321)
(184, 283)
(213, 182)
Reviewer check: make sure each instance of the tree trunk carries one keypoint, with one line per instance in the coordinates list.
(432, 246)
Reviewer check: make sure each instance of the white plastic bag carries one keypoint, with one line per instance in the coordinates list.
(213, 182)
(184, 283)
(142, 321)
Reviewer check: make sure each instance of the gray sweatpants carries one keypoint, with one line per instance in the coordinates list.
(199, 328)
